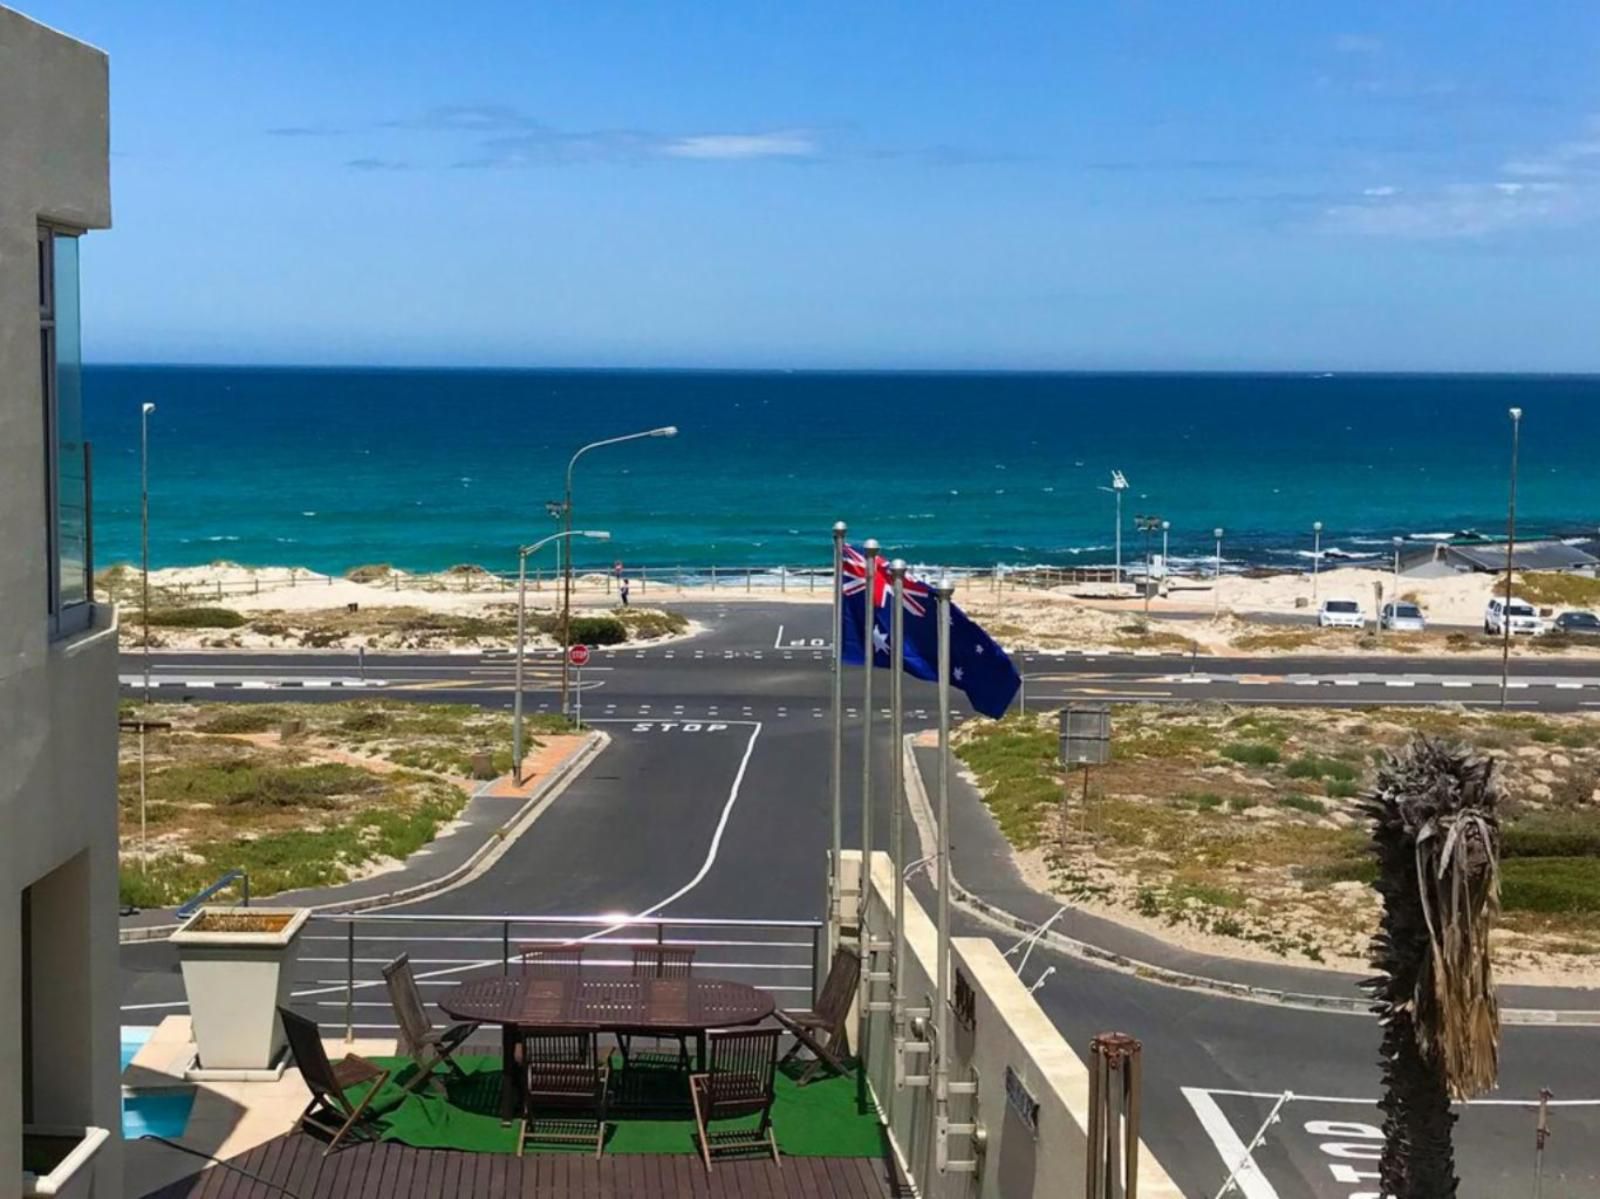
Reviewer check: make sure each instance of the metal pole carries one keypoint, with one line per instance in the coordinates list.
(941, 1007)
(1316, 556)
(836, 775)
(566, 582)
(1541, 1134)
(897, 846)
(144, 835)
(1166, 569)
(1119, 536)
(522, 615)
(1216, 586)
(1511, 546)
(144, 532)
(350, 982)
(869, 663)
(1397, 544)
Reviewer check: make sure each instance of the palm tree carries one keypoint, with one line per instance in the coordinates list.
(1437, 840)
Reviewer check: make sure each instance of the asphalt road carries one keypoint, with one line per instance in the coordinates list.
(712, 802)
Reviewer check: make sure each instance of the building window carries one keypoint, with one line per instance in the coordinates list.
(66, 454)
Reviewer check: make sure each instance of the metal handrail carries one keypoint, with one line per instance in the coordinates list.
(605, 925)
(192, 905)
(605, 918)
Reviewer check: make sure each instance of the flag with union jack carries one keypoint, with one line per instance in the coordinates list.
(978, 665)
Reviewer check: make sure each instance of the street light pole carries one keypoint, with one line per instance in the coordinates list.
(1511, 547)
(145, 410)
(1398, 542)
(1166, 568)
(524, 552)
(1216, 586)
(1316, 556)
(566, 510)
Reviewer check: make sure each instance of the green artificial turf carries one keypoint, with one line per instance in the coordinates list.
(650, 1115)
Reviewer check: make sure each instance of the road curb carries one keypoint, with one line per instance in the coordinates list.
(479, 861)
(999, 918)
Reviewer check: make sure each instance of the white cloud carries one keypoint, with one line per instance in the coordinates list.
(1380, 191)
(741, 145)
(1357, 43)
(1460, 211)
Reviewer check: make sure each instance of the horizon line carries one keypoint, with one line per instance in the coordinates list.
(1270, 372)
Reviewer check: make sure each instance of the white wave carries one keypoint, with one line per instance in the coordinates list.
(221, 537)
(308, 514)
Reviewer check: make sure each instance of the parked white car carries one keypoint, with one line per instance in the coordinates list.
(1402, 617)
(1341, 614)
(1521, 615)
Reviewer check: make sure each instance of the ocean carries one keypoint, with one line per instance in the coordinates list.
(331, 468)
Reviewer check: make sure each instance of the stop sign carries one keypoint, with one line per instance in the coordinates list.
(578, 655)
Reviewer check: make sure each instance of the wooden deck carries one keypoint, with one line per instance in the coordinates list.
(294, 1165)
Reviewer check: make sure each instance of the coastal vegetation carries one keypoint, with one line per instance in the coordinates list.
(1243, 826)
(297, 795)
(1558, 590)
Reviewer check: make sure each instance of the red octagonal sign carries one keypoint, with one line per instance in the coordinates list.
(578, 655)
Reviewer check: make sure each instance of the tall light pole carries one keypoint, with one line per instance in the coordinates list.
(1119, 484)
(524, 552)
(1166, 569)
(566, 508)
(145, 410)
(1147, 525)
(1511, 548)
(1216, 587)
(1398, 542)
(1316, 556)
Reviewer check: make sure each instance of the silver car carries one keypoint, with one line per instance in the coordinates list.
(1402, 617)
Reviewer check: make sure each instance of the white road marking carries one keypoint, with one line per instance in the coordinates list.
(1252, 1183)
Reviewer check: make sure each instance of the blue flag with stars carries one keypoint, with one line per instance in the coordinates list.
(978, 666)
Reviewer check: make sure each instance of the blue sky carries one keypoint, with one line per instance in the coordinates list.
(1032, 185)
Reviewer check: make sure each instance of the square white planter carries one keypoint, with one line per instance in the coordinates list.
(73, 1175)
(235, 980)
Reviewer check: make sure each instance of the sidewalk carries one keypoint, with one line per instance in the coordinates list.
(987, 880)
(493, 817)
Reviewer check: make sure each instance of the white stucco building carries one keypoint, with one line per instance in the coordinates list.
(58, 683)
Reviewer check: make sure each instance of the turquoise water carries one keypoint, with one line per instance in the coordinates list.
(160, 1112)
(330, 468)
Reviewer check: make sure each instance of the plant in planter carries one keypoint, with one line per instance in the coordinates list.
(236, 969)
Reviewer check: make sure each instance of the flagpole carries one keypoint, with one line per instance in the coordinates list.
(897, 848)
(835, 874)
(869, 550)
(942, 591)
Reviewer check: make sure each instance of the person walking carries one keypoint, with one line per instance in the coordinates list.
(623, 588)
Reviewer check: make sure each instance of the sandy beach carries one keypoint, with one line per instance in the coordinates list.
(1234, 616)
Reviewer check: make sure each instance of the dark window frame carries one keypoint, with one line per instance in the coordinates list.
(65, 619)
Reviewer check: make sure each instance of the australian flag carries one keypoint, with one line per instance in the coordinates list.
(978, 665)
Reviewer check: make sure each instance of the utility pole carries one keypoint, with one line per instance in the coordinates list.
(1511, 549)
(145, 410)
(1316, 556)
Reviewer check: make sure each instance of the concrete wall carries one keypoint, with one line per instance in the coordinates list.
(1008, 1030)
(58, 700)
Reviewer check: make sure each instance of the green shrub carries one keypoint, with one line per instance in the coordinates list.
(1552, 835)
(1342, 788)
(1204, 801)
(369, 573)
(1251, 753)
(191, 618)
(597, 630)
(1302, 803)
(252, 719)
(1238, 803)
(1550, 885)
(1310, 766)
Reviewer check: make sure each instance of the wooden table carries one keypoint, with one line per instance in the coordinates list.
(684, 1007)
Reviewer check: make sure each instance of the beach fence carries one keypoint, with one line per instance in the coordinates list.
(122, 583)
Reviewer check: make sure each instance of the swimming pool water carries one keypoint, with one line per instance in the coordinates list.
(162, 1112)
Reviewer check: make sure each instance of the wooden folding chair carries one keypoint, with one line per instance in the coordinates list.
(739, 1080)
(564, 1073)
(661, 961)
(330, 1110)
(419, 1040)
(551, 961)
(822, 1029)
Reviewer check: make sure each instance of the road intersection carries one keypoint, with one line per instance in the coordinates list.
(711, 801)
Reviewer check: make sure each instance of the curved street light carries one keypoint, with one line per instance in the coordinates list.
(566, 508)
(524, 552)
